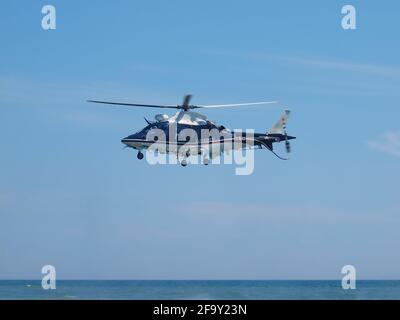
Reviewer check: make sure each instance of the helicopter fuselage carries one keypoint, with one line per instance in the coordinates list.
(193, 138)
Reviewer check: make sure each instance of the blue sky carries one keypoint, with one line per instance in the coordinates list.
(71, 197)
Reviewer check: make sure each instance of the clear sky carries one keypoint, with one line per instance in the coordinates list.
(71, 197)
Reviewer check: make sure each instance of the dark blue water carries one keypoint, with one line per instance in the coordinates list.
(31, 289)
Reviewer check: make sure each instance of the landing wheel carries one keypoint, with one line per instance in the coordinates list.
(184, 163)
(140, 155)
(206, 161)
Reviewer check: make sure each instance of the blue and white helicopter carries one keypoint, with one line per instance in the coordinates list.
(183, 133)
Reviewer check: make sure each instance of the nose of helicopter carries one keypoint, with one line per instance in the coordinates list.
(126, 140)
(132, 140)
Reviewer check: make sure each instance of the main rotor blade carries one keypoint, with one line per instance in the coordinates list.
(237, 104)
(135, 104)
(186, 100)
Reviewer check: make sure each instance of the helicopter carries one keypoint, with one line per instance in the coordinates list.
(183, 133)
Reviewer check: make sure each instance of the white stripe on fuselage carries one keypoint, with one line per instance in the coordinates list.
(171, 146)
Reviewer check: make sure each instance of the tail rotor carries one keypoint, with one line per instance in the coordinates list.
(287, 143)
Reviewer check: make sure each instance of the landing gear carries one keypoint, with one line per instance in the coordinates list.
(185, 154)
(206, 161)
(140, 155)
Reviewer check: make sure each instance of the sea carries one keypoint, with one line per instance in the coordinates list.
(200, 290)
